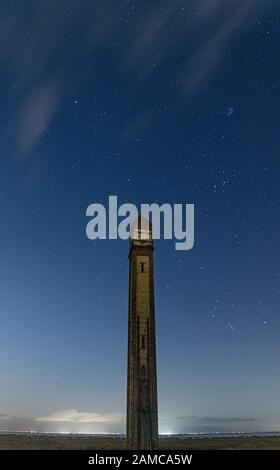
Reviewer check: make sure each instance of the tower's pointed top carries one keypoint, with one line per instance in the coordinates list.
(141, 229)
(143, 222)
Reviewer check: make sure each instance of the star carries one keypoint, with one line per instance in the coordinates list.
(230, 112)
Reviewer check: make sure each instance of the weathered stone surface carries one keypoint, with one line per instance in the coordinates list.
(142, 413)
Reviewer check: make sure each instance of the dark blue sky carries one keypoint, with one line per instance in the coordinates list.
(152, 101)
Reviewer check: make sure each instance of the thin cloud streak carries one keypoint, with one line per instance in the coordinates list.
(36, 114)
(189, 39)
(206, 58)
(73, 415)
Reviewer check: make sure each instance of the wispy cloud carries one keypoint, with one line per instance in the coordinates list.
(35, 114)
(209, 53)
(216, 419)
(187, 39)
(137, 126)
(68, 420)
(73, 415)
(153, 39)
(208, 424)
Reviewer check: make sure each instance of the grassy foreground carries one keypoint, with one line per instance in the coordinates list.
(9, 442)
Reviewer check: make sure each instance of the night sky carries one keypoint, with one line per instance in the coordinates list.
(152, 101)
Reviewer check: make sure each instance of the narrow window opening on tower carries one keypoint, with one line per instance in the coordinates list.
(143, 371)
(142, 267)
(143, 342)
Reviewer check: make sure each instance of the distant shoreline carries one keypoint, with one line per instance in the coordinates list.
(37, 441)
(193, 435)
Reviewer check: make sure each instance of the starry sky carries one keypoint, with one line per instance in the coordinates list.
(152, 101)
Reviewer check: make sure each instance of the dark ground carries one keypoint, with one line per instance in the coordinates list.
(12, 442)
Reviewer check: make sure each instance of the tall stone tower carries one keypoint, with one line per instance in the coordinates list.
(142, 410)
